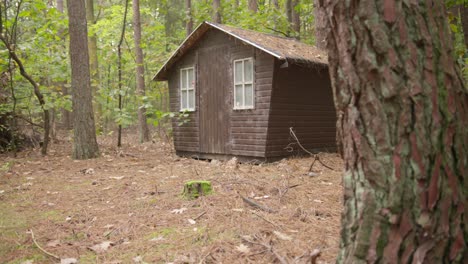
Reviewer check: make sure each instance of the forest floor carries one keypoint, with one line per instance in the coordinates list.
(126, 207)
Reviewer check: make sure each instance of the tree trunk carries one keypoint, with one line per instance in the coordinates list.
(60, 5)
(66, 120)
(189, 18)
(216, 11)
(288, 10)
(143, 130)
(320, 25)
(84, 132)
(403, 114)
(464, 20)
(92, 46)
(276, 4)
(253, 6)
(119, 67)
(295, 18)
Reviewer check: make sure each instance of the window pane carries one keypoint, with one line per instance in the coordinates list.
(248, 71)
(238, 72)
(238, 96)
(191, 78)
(249, 95)
(183, 81)
(183, 100)
(191, 99)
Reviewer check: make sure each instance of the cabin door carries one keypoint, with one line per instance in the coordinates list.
(214, 80)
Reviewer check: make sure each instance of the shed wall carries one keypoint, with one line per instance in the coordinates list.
(245, 131)
(302, 99)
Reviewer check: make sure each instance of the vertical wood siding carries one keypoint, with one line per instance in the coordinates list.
(215, 127)
(302, 98)
(186, 137)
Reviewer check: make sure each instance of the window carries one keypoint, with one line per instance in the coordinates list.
(187, 89)
(243, 84)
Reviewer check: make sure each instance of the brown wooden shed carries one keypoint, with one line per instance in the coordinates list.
(244, 90)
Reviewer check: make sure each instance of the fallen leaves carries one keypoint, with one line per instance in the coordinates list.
(179, 211)
(243, 249)
(101, 247)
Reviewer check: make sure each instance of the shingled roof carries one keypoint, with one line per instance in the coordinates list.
(279, 47)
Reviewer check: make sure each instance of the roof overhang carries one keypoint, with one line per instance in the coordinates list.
(192, 39)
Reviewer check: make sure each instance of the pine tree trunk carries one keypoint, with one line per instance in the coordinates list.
(188, 14)
(320, 26)
(464, 20)
(253, 5)
(143, 130)
(92, 46)
(66, 119)
(288, 10)
(295, 18)
(216, 11)
(84, 132)
(403, 116)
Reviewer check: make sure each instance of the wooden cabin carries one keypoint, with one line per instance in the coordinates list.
(244, 90)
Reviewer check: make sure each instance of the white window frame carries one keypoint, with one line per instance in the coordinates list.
(187, 89)
(243, 83)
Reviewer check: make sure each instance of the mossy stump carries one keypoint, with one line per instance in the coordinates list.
(195, 189)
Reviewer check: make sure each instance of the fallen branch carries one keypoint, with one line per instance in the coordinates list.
(315, 155)
(39, 247)
(256, 205)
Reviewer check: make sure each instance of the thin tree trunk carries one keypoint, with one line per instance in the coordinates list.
(92, 46)
(288, 10)
(189, 18)
(464, 20)
(143, 130)
(276, 4)
(403, 114)
(37, 93)
(119, 65)
(84, 132)
(216, 11)
(66, 119)
(60, 6)
(295, 18)
(320, 25)
(253, 5)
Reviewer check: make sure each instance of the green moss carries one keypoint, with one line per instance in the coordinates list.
(195, 189)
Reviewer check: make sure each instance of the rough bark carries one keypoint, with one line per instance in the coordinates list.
(403, 114)
(84, 132)
(295, 18)
(216, 17)
(188, 17)
(253, 5)
(320, 25)
(143, 131)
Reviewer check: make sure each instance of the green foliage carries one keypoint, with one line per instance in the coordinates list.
(41, 42)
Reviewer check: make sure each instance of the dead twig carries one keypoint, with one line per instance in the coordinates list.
(266, 220)
(256, 205)
(268, 247)
(39, 247)
(314, 255)
(200, 215)
(315, 155)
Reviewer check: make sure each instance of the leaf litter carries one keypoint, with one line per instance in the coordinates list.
(276, 222)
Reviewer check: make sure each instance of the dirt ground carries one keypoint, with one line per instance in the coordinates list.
(126, 207)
